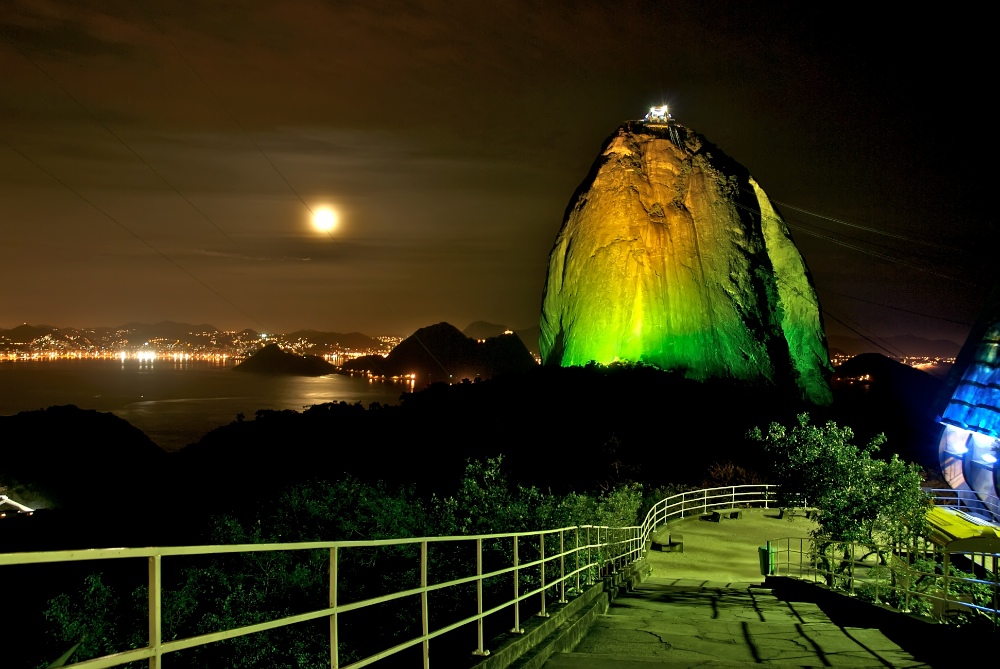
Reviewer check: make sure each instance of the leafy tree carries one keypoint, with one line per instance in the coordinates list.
(860, 498)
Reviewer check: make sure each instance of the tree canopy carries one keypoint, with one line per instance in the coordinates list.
(860, 497)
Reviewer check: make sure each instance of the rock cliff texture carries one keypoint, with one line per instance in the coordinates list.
(671, 254)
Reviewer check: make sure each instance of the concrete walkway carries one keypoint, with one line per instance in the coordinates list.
(707, 607)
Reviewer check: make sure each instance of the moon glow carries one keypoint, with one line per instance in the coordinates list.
(325, 219)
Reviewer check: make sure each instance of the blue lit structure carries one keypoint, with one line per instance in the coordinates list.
(971, 418)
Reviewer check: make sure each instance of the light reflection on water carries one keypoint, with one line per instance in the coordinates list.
(175, 402)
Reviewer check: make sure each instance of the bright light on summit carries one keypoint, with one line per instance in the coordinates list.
(658, 115)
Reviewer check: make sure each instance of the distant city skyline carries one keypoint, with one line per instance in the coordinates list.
(162, 161)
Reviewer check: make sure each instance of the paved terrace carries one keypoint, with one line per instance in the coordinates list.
(707, 606)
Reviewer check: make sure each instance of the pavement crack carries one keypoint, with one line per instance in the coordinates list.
(659, 638)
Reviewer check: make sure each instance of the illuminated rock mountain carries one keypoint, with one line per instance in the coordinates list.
(671, 254)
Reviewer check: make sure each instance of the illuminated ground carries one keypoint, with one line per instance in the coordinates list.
(726, 551)
(707, 607)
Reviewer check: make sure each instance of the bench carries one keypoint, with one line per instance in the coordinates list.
(675, 543)
(809, 512)
(726, 514)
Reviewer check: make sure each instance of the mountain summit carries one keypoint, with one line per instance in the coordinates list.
(671, 254)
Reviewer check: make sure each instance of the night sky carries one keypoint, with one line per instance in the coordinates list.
(153, 153)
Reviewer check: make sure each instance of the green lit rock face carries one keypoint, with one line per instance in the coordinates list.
(673, 255)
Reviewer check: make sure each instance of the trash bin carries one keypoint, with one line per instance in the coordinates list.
(768, 559)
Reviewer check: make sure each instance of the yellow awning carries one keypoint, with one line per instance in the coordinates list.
(950, 530)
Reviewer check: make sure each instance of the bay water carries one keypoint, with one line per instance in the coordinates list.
(176, 402)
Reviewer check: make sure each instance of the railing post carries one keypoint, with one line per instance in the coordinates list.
(334, 659)
(600, 554)
(517, 602)
(852, 568)
(576, 560)
(424, 616)
(155, 582)
(562, 567)
(946, 564)
(590, 560)
(541, 552)
(480, 650)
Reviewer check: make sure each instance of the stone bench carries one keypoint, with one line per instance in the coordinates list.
(675, 543)
(726, 514)
(808, 511)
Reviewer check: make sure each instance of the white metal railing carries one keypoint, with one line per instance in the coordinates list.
(967, 500)
(917, 577)
(706, 499)
(593, 552)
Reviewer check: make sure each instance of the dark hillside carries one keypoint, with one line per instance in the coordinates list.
(873, 394)
(272, 360)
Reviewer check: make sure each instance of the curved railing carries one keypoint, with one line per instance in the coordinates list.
(705, 500)
(582, 555)
(967, 500)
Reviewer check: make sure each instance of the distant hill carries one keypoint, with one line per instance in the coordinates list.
(23, 334)
(485, 330)
(165, 329)
(530, 338)
(352, 340)
(905, 344)
(272, 360)
(873, 394)
(442, 353)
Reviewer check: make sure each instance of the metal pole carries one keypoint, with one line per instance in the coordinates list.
(600, 554)
(576, 560)
(590, 560)
(947, 596)
(154, 610)
(996, 586)
(479, 597)
(425, 618)
(541, 553)
(562, 568)
(334, 660)
(517, 602)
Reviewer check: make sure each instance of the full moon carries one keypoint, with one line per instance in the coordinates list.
(325, 219)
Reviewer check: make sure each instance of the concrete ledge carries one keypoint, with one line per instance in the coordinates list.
(565, 626)
(924, 638)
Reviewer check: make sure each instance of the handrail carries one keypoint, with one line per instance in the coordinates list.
(889, 574)
(705, 499)
(967, 500)
(595, 551)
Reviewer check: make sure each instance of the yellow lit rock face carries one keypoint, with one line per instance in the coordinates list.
(674, 256)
